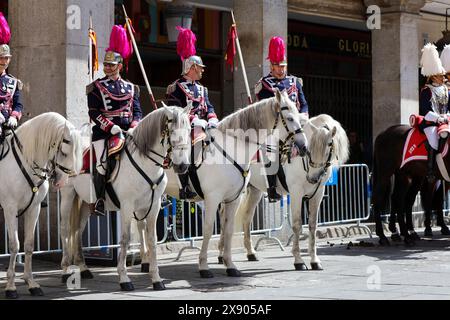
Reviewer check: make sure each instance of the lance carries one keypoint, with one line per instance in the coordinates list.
(130, 32)
(91, 79)
(241, 59)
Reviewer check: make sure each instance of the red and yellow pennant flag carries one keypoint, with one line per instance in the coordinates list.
(231, 47)
(93, 39)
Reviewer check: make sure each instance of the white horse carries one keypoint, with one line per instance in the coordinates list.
(164, 131)
(328, 146)
(47, 146)
(239, 136)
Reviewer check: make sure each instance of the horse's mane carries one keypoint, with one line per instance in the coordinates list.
(340, 140)
(41, 135)
(253, 116)
(149, 130)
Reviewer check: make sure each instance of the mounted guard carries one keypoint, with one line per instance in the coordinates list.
(188, 89)
(10, 87)
(279, 79)
(433, 105)
(114, 107)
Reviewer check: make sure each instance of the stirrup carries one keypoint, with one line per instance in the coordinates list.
(186, 194)
(100, 207)
(273, 195)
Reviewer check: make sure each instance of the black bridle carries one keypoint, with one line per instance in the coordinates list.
(44, 174)
(323, 166)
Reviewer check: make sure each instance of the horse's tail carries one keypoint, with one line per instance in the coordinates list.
(381, 183)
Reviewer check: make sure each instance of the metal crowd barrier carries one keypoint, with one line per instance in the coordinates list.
(347, 199)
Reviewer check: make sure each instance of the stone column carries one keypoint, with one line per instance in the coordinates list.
(257, 21)
(395, 62)
(50, 50)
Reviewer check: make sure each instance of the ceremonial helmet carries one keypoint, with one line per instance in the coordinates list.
(5, 37)
(277, 51)
(120, 48)
(186, 50)
(445, 58)
(430, 63)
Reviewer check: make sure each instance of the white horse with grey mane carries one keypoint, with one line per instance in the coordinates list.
(328, 146)
(236, 140)
(139, 184)
(47, 147)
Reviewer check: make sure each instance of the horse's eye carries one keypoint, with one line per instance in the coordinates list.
(290, 119)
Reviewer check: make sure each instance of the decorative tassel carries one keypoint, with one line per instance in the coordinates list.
(185, 43)
(277, 50)
(5, 32)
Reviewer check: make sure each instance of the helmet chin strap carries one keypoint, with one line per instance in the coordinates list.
(112, 74)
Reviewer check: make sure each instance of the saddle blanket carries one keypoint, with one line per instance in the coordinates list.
(414, 147)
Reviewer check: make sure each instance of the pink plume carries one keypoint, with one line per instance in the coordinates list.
(119, 42)
(5, 32)
(277, 50)
(185, 43)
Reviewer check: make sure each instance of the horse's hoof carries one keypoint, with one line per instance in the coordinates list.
(445, 231)
(428, 232)
(300, 267)
(220, 260)
(86, 274)
(36, 292)
(233, 273)
(127, 286)
(252, 257)
(396, 237)
(158, 286)
(384, 242)
(414, 236)
(65, 277)
(145, 267)
(11, 294)
(206, 274)
(316, 266)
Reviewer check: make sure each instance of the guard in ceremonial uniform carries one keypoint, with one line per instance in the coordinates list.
(113, 106)
(10, 101)
(188, 88)
(279, 79)
(433, 103)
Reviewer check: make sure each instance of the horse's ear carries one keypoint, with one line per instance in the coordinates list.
(333, 131)
(163, 104)
(187, 109)
(278, 95)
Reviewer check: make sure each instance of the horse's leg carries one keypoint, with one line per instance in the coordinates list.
(409, 202)
(211, 205)
(401, 189)
(381, 191)
(253, 197)
(228, 230)
(393, 220)
(67, 201)
(152, 240)
(13, 247)
(297, 228)
(313, 208)
(427, 195)
(142, 229)
(85, 214)
(124, 280)
(31, 218)
(221, 239)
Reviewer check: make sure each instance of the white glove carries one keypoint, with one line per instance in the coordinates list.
(115, 130)
(196, 122)
(12, 122)
(2, 118)
(442, 120)
(213, 123)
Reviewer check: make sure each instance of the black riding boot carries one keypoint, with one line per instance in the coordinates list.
(430, 163)
(185, 191)
(272, 190)
(100, 187)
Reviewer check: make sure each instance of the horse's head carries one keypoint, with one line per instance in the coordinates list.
(67, 157)
(289, 128)
(179, 134)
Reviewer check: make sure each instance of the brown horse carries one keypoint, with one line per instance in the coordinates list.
(388, 152)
